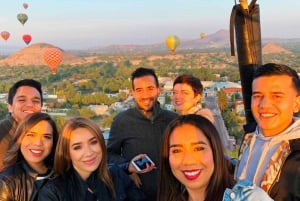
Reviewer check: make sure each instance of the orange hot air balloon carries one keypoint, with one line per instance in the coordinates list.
(5, 35)
(172, 42)
(53, 57)
(25, 5)
(22, 17)
(27, 38)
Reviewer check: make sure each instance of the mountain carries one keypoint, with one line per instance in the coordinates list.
(272, 48)
(211, 42)
(219, 39)
(33, 55)
(215, 40)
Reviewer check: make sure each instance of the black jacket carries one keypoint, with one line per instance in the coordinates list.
(71, 187)
(7, 130)
(287, 185)
(21, 183)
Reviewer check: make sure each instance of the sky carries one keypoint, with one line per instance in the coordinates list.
(81, 24)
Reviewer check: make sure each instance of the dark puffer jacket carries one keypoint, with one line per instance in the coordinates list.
(71, 187)
(21, 183)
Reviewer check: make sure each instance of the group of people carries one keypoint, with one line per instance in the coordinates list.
(38, 162)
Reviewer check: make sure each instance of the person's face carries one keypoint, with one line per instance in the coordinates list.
(27, 100)
(191, 158)
(145, 92)
(37, 144)
(85, 152)
(274, 100)
(184, 98)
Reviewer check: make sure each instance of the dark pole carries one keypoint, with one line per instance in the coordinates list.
(245, 20)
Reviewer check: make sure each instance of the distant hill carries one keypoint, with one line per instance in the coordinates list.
(33, 55)
(220, 39)
(211, 42)
(272, 48)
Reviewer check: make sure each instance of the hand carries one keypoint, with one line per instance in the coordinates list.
(149, 167)
(136, 179)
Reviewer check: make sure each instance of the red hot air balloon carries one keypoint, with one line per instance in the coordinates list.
(27, 38)
(53, 57)
(5, 35)
(25, 5)
(22, 17)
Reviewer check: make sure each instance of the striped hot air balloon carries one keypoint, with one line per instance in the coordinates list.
(22, 17)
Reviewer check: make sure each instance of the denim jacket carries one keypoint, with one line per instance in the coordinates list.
(244, 190)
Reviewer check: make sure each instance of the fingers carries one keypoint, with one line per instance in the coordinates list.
(136, 179)
(141, 164)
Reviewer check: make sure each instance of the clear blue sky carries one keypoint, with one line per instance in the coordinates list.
(88, 23)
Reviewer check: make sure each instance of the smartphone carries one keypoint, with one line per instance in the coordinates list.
(141, 163)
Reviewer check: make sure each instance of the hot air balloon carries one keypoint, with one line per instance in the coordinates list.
(202, 35)
(22, 17)
(5, 35)
(27, 38)
(25, 5)
(172, 42)
(53, 57)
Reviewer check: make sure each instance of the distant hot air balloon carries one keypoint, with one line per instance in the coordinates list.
(25, 5)
(5, 35)
(53, 57)
(172, 42)
(22, 17)
(202, 35)
(27, 38)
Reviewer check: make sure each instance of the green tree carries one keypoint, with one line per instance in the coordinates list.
(86, 112)
(222, 99)
(3, 110)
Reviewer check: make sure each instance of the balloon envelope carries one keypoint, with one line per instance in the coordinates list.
(27, 38)
(172, 42)
(25, 5)
(22, 17)
(5, 35)
(53, 57)
(202, 35)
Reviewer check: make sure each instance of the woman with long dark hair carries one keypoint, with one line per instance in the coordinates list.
(28, 162)
(193, 166)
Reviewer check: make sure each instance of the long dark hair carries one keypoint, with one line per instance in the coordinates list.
(170, 189)
(14, 155)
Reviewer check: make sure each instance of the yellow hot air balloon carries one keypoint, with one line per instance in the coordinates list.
(202, 35)
(172, 42)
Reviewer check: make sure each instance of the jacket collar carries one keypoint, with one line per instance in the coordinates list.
(93, 183)
(156, 110)
(35, 174)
